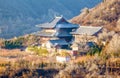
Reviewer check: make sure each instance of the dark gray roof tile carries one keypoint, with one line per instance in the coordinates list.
(87, 30)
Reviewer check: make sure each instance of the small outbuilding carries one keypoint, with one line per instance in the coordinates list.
(59, 43)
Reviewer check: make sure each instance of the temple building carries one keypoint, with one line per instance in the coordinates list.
(57, 33)
(86, 33)
(85, 36)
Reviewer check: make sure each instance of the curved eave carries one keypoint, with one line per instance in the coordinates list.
(84, 30)
(46, 26)
(94, 34)
(44, 35)
(63, 35)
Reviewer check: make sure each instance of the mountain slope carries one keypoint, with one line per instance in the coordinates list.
(38, 8)
(106, 14)
(18, 17)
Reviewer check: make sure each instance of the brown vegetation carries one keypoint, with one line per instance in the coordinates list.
(106, 14)
(113, 47)
(20, 42)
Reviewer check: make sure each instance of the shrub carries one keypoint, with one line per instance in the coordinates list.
(95, 50)
(12, 44)
(113, 47)
(38, 50)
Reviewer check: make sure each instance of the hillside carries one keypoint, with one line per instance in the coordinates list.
(19, 17)
(106, 14)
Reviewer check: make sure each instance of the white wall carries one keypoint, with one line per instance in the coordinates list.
(62, 59)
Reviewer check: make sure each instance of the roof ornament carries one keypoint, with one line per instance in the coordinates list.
(61, 15)
(58, 16)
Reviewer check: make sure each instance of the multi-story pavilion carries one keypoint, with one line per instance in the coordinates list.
(57, 33)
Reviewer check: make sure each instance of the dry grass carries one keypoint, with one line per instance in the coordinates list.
(31, 61)
(113, 47)
(2, 69)
(84, 59)
(16, 55)
(105, 14)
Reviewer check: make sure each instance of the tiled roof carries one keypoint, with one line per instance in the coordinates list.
(58, 22)
(58, 42)
(43, 33)
(52, 34)
(88, 30)
(50, 24)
